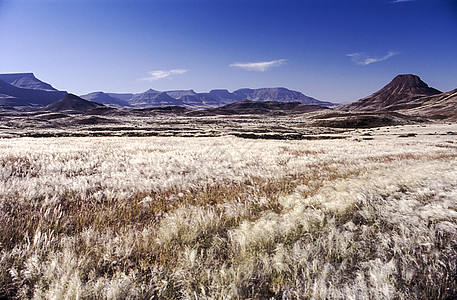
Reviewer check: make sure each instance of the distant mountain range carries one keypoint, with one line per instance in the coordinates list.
(24, 89)
(191, 99)
(405, 94)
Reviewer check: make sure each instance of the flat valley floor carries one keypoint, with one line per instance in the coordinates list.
(350, 214)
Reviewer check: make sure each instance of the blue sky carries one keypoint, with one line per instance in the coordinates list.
(332, 50)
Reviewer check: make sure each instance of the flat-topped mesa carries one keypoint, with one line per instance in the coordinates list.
(280, 94)
(26, 81)
(16, 96)
(177, 94)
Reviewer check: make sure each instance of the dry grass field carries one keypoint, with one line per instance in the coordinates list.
(370, 216)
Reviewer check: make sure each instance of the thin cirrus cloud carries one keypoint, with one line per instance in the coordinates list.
(160, 74)
(260, 66)
(398, 1)
(364, 59)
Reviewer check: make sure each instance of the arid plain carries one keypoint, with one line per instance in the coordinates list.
(348, 214)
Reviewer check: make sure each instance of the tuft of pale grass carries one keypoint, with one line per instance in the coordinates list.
(175, 218)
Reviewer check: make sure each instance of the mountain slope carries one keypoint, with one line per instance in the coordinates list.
(398, 93)
(104, 98)
(26, 81)
(441, 106)
(11, 95)
(73, 103)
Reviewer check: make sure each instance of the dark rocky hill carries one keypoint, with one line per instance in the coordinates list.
(396, 95)
(73, 103)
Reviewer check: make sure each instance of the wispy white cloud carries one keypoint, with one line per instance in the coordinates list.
(364, 59)
(160, 74)
(259, 66)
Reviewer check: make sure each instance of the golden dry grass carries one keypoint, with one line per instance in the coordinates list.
(215, 218)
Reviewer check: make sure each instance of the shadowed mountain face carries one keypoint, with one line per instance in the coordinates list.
(26, 81)
(73, 103)
(13, 96)
(397, 94)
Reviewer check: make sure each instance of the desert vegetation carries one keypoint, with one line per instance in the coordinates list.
(371, 216)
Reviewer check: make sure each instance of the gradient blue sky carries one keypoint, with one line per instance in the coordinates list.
(332, 50)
